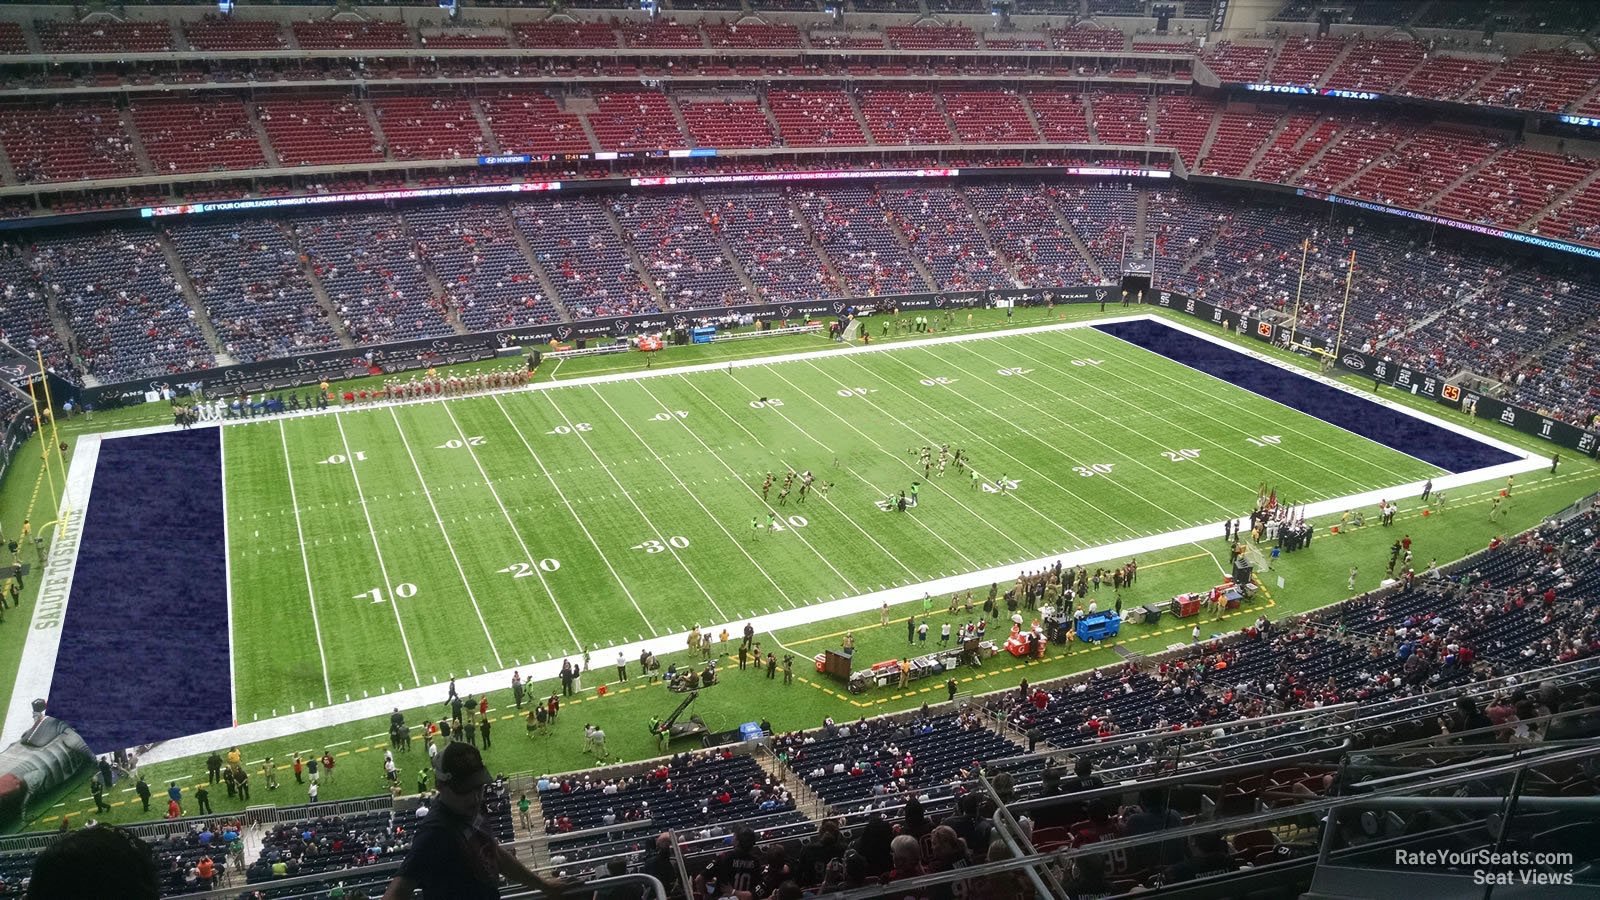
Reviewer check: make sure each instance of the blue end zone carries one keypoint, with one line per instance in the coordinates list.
(144, 645)
(1444, 448)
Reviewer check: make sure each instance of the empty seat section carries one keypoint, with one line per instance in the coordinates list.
(1239, 136)
(578, 249)
(368, 264)
(771, 247)
(572, 35)
(104, 37)
(319, 131)
(128, 316)
(1122, 118)
(726, 123)
(234, 34)
(640, 120)
(815, 118)
(182, 135)
(1023, 223)
(905, 117)
(250, 279)
(529, 121)
(345, 35)
(850, 225)
(941, 232)
(429, 127)
(473, 249)
(1183, 122)
(1063, 118)
(66, 141)
(990, 117)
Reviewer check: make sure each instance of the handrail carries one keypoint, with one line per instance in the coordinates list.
(649, 882)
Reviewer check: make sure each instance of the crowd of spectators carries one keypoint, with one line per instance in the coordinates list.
(327, 844)
(128, 315)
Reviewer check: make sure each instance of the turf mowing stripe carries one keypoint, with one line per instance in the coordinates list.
(718, 457)
(846, 516)
(711, 404)
(885, 452)
(1047, 480)
(1080, 505)
(556, 484)
(383, 568)
(693, 495)
(305, 562)
(445, 533)
(648, 523)
(1159, 444)
(527, 554)
(1130, 354)
(808, 435)
(1170, 420)
(342, 567)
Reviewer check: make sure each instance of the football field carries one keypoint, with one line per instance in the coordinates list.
(391, 547)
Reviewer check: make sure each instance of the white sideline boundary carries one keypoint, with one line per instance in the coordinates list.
(381, 705)
(39, 651)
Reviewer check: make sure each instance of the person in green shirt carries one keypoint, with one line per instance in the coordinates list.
(522, 811)
(422, 779)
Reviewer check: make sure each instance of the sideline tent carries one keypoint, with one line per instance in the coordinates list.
(47, 756)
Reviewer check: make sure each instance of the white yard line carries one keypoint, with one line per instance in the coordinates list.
(445, 533)
(283, 726)
(1114, 420)
(1176, 421)
(556, 483)
(693, 495)
(38, 665)
(533, 561)
(807, 435)
(372, 531)
(311, 593)
(740, 479)
(785, 463)
(227, 584)
(649, 524)
(1287, 425)
(933, 442)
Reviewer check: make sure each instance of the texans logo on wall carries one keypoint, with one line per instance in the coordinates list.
(785, 312)
(503, 339)
(564, 332)
(1100, 293)
(14, 371)
(1451, 392)
(622, 325)
(680, 321)
(838, 307)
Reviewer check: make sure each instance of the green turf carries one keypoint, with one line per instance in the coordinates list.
(1312, 579)
(486, 532)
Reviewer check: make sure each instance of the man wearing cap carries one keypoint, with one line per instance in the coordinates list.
(452, 853)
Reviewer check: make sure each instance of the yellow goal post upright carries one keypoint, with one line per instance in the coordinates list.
(52, 459)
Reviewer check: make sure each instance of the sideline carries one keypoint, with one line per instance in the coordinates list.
(37, 667)
(770, 621)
